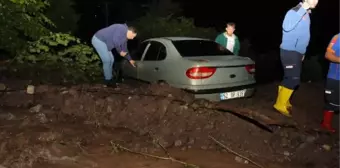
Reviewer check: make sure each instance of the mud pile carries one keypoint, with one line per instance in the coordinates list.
(148, 115)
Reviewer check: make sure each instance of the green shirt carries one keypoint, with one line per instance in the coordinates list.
(222, 40)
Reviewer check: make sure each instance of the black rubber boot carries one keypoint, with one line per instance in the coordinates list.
(110, 83)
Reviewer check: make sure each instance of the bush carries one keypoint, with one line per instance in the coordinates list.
(22, 20)
(155, 26)
(62, 53)
(37, 52)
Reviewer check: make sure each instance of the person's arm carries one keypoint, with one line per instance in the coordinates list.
(330, 53)
(292, 18)
(237, 46)
(219, 40)
(123, 51)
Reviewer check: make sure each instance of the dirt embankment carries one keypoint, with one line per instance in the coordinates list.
(64, 122)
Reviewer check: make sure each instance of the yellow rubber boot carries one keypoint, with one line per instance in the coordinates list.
(281, 101)
(288, 104)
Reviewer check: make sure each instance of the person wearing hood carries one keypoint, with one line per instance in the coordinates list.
(295, 40)
(113, 37)
(228, 39)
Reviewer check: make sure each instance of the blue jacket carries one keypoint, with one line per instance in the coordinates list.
(334, 68)
(296, 30)
(114, 37)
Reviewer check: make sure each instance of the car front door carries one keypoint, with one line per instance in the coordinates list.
(129, 70)
(149, 68)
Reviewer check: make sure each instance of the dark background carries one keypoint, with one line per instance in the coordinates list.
(258, 21)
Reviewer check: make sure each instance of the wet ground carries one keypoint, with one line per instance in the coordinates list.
(93, 126)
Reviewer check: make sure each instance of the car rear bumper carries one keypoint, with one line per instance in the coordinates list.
(221, 90)
(214, 94)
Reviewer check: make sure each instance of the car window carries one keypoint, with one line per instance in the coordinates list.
(156, 51)
(162, 53)
(137, 54)
(196, 48)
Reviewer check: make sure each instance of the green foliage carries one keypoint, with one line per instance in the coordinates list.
(26, 33)
(155, 26)
(62, 13)
(22, 20)
(64, 53)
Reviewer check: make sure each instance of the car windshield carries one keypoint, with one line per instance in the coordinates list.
(196, 48)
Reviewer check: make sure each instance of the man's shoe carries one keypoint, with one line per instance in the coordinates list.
(110, 83)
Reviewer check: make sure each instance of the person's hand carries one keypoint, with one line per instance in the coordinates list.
(132, 62)
(303, 57)
(123, 54)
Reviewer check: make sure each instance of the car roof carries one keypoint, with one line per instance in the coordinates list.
(177, 38)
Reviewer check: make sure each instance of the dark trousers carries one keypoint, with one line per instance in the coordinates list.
(332, 95)
(291, 62)
(118, 70)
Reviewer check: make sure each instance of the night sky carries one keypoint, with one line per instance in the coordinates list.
(258, 21)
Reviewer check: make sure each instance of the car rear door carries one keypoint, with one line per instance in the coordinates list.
(137, 55)
(150, 69)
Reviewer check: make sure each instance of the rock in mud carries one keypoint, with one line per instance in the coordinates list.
(191, 141)
(204, 147)
(310, 139)
(42, 118)
(36, 109)
(178, 143)
(326, 147)
(286, 153)
(241, 160)
(8, 116)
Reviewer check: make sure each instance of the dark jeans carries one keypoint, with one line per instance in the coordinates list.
(291, 62)
(118, 70)
(332, 95)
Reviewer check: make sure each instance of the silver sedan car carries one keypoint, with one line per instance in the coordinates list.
(200, 66)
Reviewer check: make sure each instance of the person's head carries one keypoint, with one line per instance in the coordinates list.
(312, 3)
(131, 33)
(230, 28)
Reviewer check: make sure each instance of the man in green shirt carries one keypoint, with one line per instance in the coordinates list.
(228, 39)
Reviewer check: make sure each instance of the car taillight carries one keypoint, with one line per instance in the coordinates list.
(250, 68)
(200, 72)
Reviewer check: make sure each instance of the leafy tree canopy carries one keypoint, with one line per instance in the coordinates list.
(22, 21)
(162, 19)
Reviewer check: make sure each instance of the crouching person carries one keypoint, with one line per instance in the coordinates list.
(113, 37)
(332, 83)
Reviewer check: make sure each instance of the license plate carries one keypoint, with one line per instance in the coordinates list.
(232, 95)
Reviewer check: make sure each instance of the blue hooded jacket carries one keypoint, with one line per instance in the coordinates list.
(114, 37)
(296, 30)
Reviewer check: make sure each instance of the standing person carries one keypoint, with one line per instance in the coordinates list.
(228, 39)
(113, 37)
(332, 83)
(295, 39)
